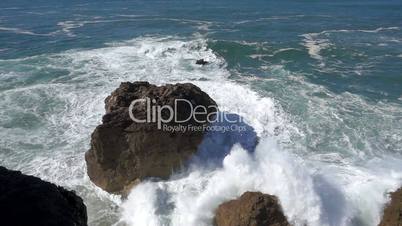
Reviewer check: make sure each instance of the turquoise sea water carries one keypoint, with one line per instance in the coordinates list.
(320, 82)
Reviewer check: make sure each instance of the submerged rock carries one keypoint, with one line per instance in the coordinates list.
(251, 209)
(201, 62)
(393, 211)
(27, 200)
(124, 152)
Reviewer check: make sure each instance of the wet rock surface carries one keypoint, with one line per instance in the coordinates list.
(251, 209)
(27, 200)
(124, 152)
(393, 211)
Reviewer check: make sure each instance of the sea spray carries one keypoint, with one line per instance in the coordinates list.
(46, 122)
(193, 197)
(318, 196)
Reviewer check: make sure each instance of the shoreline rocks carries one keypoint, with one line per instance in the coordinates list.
(124, 152)
(27, 200)
(393, 211)
(251, 209)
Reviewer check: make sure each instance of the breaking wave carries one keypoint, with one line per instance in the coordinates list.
(53, 102)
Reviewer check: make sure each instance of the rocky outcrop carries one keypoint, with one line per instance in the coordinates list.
(27, 200)
(123, 152)
(201, 62)
(393, 211)
(251, 209)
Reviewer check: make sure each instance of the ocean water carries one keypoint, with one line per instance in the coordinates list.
(319, 81)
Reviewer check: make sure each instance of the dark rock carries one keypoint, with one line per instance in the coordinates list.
(201, 62)
(393, 211)
(251, 209)
(124, 152)
(27, 200)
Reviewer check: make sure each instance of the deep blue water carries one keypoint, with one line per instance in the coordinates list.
(333, 70)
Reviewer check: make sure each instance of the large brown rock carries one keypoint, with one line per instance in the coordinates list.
(393, 211)
(124, 152)
(251, 209)
(27, 200)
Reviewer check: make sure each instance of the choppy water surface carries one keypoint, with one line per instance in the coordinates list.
(320, 82)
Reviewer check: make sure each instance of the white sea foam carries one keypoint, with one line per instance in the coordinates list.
(68, 27)
(315, 45)
(272, 18)
(329, 195)
(359, 30)
(319, 41)
(380, 29)
(21, 31)
(46, 127)
(192, 199)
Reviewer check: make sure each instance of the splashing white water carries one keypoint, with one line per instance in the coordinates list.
(47, 121)
(328, 195)
(192, 198)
